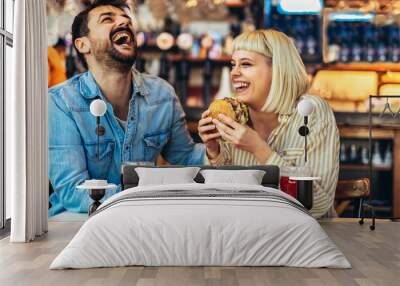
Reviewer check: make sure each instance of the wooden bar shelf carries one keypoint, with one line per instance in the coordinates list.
(378, 67)
(361, 167)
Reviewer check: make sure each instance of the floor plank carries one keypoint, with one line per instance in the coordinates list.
(374, 255)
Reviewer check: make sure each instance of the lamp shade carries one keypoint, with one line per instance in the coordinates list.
(305, 107)
(98, 107)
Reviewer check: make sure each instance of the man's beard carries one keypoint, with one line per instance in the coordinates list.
(112, 58)
(120, 58)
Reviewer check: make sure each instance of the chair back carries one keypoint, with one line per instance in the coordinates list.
(352, 189)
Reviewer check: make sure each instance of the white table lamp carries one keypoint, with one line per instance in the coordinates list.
(305, 107)
(98, 108)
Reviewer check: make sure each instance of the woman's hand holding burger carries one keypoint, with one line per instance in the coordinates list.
(228, 117)
(209, 134)
(243, 137)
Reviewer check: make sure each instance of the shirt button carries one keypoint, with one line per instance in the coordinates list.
(132, 118)
(126, 148)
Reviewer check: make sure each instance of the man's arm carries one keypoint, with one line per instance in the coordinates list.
(67, 159)
(181, 150)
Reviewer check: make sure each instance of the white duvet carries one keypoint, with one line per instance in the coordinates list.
(188, 231)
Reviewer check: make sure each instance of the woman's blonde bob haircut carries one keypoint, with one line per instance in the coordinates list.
(289, 77)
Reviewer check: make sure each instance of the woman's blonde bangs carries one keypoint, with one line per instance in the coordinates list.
(253, 41)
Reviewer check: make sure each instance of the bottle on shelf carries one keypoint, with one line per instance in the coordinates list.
(364, 156)
(356, 52)
(370, 53)
(353, 154)
(376, 155)
(388, 157)
(355, 43)
(370, 43)
(381, 52)
(334, 42)
(393, 43)
(343, 153)
(299, 43)
(344, 53)
(394, 52)
(345, 41)
(311, 44)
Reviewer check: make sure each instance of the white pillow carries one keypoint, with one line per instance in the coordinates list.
(248, 177)
(166, 176)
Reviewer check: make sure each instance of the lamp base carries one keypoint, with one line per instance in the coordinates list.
(305, 193)
(96, 195)
(305, 190)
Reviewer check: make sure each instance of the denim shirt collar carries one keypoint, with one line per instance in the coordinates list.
(89, 88)
(139, 83)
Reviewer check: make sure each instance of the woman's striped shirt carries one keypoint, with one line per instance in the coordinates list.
(288, 150)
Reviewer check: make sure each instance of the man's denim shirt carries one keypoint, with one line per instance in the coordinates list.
(155, 125)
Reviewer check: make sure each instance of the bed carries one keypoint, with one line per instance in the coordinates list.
(201, 224)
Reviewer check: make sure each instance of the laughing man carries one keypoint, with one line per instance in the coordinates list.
(144, 117)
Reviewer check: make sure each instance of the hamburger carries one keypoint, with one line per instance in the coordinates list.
(231, 108)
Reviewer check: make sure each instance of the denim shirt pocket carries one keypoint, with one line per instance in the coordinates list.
(153, 144)
(98, 166)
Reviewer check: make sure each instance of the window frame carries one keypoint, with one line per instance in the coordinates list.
(6, 39)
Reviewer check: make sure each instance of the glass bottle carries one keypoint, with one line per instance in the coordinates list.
(343, 153)
(376, 155)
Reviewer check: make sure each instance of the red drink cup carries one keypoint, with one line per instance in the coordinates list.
(288, 186)
(284, 183)
(292, 188)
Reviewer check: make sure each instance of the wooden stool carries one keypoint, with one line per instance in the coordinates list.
(356, 190)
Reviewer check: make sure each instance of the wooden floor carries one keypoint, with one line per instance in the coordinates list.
(374, 255)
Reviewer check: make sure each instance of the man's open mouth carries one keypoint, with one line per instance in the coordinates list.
(122, 38)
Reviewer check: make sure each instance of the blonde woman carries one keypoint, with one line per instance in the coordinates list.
(269, 76)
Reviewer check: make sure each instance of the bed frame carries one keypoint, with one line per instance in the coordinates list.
(130, 179)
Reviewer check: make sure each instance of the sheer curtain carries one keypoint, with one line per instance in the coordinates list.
(26, 123)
